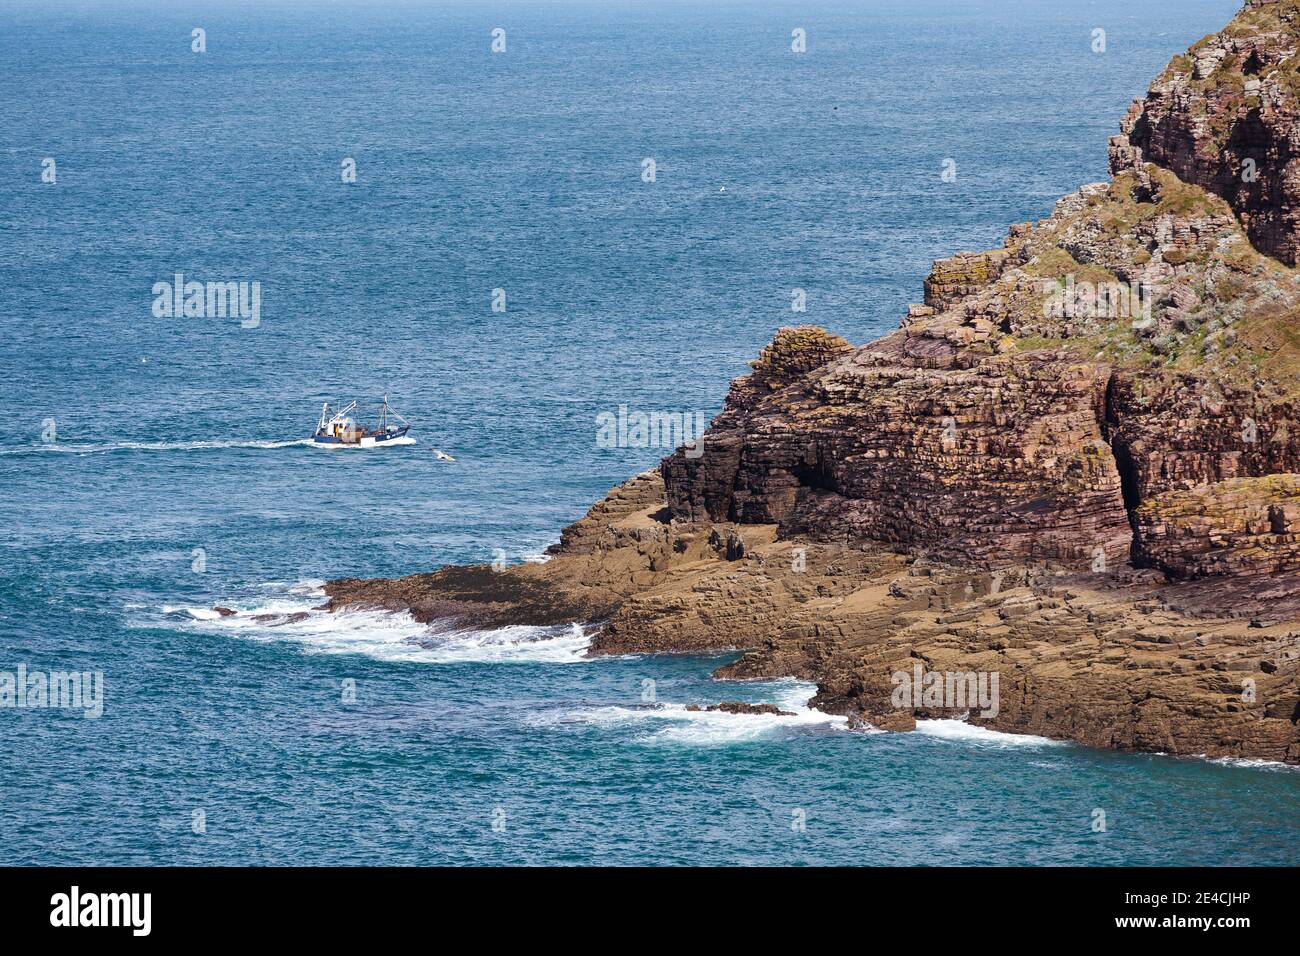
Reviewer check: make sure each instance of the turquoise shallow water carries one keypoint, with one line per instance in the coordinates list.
(518, 171)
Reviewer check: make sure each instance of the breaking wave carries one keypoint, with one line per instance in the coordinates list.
(672, 723)
(1253, 763)
(383, 635)
(961, 731)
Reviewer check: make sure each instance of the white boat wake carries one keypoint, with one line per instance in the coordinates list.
(91, 448)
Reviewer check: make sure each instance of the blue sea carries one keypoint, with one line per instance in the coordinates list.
(153, 467)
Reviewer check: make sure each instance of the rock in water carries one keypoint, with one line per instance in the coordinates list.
(740, 707)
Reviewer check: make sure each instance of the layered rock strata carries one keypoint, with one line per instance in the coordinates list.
(1075, 466)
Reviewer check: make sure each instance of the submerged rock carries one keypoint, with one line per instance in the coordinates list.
(740, 707)
(276, 620)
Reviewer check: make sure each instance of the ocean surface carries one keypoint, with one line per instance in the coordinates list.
(154, 467)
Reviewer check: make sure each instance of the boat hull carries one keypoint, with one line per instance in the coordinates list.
(395, 436)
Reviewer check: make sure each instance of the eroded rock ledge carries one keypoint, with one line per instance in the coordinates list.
(1077, 465)
(1123, 659)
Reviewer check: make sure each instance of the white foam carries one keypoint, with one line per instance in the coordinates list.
(1254, 763)
(672, 723)
(959, 730)
(518, 644)
(962, 732)
(198, 613)
(382, 635)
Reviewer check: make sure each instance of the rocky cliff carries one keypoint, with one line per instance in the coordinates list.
(1076, 465)
(1224, 118)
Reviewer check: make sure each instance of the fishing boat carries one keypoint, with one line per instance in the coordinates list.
(339, 429)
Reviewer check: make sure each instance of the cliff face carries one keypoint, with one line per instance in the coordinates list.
(1076, 465)
(1131, 347)
(1224, 118)
(1138, 343)
(917, 441)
